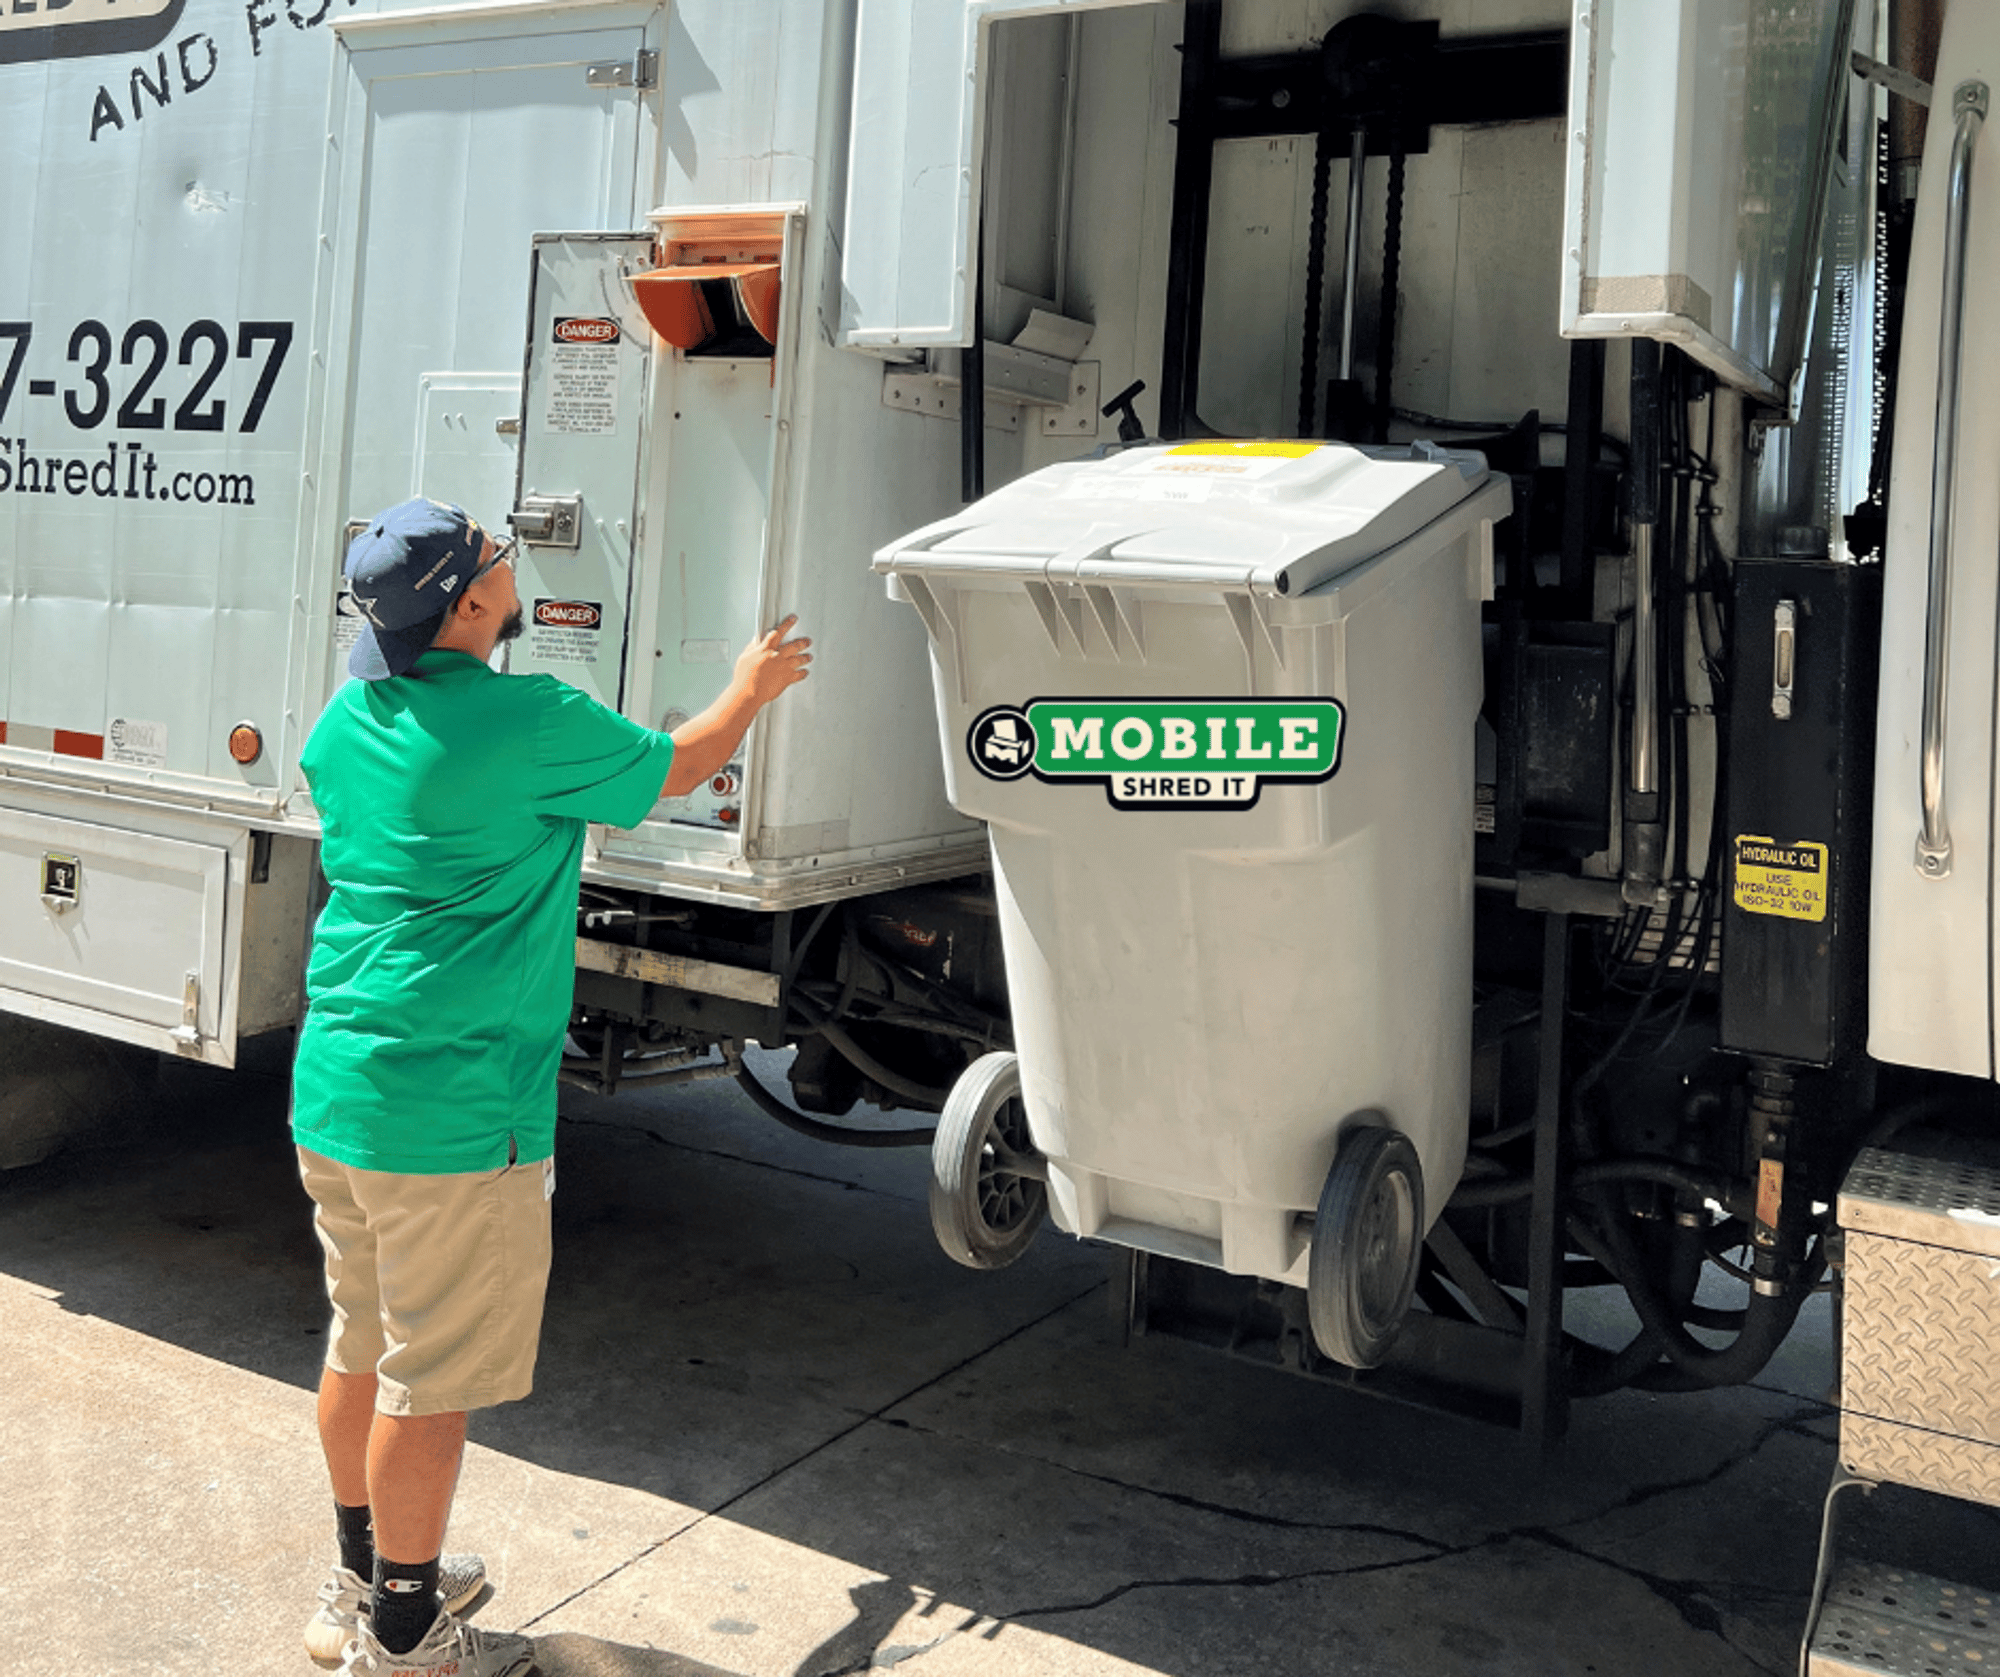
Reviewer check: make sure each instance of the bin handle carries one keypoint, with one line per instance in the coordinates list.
(1968, 109)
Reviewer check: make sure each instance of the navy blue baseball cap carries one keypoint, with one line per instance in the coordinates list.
(405, 570)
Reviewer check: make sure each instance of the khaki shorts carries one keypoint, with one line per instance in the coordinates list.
(436, 1281)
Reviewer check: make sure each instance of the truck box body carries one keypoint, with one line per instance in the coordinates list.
(272, 271)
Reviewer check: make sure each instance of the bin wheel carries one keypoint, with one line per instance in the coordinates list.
(1367, 1238)
(989, 1187)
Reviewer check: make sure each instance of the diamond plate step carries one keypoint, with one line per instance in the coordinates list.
(1939, 1202)
(1884, 1621)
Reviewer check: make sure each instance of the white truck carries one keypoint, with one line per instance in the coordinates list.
(716, 301)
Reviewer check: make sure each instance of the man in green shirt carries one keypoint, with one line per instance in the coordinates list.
(452, 802)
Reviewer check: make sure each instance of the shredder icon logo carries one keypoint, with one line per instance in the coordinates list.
(1185, 754)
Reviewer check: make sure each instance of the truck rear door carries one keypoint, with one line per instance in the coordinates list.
(459, 136)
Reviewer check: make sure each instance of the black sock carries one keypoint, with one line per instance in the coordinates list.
(405, 1603)
(357, 1539)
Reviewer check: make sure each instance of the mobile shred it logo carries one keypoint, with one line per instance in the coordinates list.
(569, 614)
(1162, 753)
(585, 329)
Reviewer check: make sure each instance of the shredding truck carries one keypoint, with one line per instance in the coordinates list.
(1407, 594)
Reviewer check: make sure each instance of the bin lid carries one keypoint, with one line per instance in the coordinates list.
(1269, 517)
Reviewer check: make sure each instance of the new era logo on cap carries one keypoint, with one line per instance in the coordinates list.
(404, 569)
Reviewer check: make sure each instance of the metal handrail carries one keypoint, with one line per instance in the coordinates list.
(1968, 109)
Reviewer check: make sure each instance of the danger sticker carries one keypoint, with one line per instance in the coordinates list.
(565, 631)
(1785, 880)
(585, 329)
(583, 379)
(569, 614)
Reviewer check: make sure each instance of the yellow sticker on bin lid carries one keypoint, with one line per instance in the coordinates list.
(1250, 451)
(1190, 464)
(1785, 880)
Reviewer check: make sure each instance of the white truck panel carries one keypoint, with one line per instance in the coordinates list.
(164, 930)
(913, 173)
(1932, 941)
(1697, 176)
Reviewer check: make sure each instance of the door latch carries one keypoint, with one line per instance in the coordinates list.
(1784, 657)
(187, 1034)
(549, 520)
(62, 881)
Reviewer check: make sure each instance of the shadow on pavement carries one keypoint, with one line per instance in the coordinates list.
(568, 1654)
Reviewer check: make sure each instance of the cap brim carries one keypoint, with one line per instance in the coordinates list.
(381, 653)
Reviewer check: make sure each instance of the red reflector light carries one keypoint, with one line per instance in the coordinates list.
(246, 744)
(728, 817)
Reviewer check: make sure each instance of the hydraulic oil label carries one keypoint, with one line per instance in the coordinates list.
(1786, 880)
(1162, 754)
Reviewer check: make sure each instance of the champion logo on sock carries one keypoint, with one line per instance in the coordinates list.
(403, 1586)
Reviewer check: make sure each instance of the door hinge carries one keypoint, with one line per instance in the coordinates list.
(641, 71)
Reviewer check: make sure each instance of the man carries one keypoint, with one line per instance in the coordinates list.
(453, 802)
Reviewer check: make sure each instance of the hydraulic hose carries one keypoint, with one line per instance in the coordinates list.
(841, 1135)
(1669, 1173)
(1595, 1372)
(1766, 1321)
(866, 1063)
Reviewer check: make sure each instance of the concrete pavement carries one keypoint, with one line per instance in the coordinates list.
(776, 1432)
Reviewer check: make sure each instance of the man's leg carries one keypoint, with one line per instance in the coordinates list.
(462, 1264)
(346, 1412)
(412, 1473)
(346, 1400)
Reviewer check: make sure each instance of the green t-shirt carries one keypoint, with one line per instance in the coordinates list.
(453, 801)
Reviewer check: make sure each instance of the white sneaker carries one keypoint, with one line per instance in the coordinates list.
(343, 1600)
(450, 1648)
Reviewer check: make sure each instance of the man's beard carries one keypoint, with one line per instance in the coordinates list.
(511, 629)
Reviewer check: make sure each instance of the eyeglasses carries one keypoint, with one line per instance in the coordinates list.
(503, 554)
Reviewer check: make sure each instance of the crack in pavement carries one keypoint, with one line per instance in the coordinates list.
(1640, 1495)
(825, 1444)
(1241, 1581)
(678, 1146)
(1689, 1599)
(1637, 1497)
(1280, 1522)
(1693, 1601)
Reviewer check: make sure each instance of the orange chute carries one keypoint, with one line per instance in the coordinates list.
(742, 246)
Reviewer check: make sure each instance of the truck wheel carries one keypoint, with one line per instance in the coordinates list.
(1367, 1238)
(989, 1187)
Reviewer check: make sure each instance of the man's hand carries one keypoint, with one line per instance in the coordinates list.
(766, 667)
(770, 664)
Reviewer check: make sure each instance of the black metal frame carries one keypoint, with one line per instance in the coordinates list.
(1462, 79)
